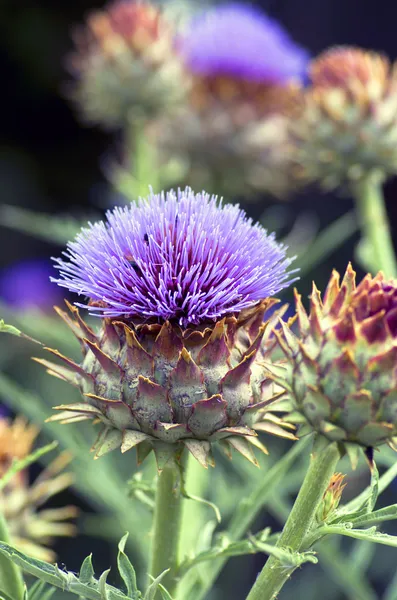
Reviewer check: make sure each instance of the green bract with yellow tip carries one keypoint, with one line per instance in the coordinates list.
(340, 375)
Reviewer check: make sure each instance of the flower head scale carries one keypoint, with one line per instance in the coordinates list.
(348, 127)
(181, 257)
(340, 374)
(260, 49)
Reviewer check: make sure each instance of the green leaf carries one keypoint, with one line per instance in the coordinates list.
(4, 596)
(327, 241)
(40, 591)
(58, 229)
(87, 574)
(4, 328)
(23, 463)
(126, 570)
(164, 593)
(354, 584)
(371, 534)
(359, 502)
(384, 514)
(153, 587)
(67, 581)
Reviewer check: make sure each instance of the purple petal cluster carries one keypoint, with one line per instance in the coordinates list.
(180, 256)
(240, 41)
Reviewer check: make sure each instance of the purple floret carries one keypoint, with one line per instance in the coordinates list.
(183, 257)
(240, 41)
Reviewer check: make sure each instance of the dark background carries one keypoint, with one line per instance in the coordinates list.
(50, 162)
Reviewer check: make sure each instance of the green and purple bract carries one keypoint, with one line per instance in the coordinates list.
(241, 41)
(182, 257)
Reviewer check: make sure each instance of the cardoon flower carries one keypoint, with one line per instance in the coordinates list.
(233, 132)
(348, 130)
(340, 374)
(32, 529)
(125, 64)
(261, 50)
(25, 285)
(182, 284)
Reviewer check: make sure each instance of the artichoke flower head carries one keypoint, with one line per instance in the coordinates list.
(340, 375)
(181, 284)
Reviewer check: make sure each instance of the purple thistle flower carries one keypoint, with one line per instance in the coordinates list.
(25, 285)
(241, 41)
(183, 257)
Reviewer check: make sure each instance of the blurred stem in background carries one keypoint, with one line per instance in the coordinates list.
(139, 172)
(11, 580)
(273, 576)
(378, 251)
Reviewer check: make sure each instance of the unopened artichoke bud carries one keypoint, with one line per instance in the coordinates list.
(181, 284)
(232, 134)
(332, 497)
(32, 528)
(340, 374)
(348, 130)
(125, 65)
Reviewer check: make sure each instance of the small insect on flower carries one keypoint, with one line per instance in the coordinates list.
(177, 361)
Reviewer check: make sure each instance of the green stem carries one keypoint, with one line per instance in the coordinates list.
(167, 526)
(248, 510)
(11, 580)
(375, 225)
(274, 575)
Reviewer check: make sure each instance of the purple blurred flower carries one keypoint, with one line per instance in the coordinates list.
(182, 256)
(25, 285)
(241, 41)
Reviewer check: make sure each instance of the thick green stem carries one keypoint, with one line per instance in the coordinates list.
(248, 510)
(375, 225)
(274, 575)
(11, 580)
(167, 526)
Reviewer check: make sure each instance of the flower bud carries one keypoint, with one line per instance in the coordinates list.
(348, 129)
(340, 374)
(125, 65)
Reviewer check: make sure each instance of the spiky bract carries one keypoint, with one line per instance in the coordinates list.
(158, 386)
(340, 374)
(125, 65)
(348, 130)
(32, 529)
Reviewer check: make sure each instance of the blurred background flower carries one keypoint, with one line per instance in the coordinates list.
(26, 285)
(231, 136)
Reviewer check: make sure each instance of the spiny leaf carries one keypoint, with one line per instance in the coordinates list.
(371, 534)
(4, 328)
(23, 463)
(67, 581)
(126, 570)
(152, 589)
(87, 574)
(384, 514)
